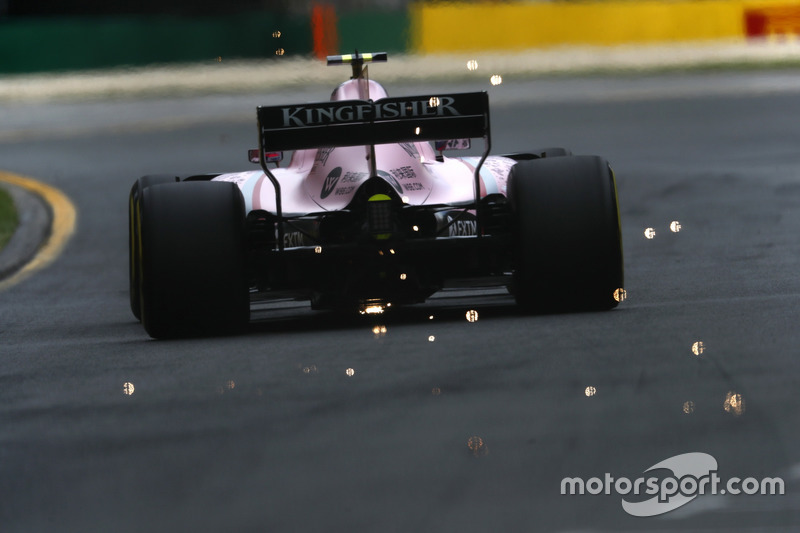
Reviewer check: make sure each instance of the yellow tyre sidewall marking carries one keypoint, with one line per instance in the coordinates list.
(62, 226)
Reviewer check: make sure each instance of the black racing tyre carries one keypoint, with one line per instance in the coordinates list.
(193, 259)
(552, 152)
(133, 236)
(567, 225)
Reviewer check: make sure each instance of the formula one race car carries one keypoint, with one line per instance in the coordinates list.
(369, 213)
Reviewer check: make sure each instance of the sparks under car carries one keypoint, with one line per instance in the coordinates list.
(370, 212)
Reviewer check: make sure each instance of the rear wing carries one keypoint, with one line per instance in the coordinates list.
(367, 123)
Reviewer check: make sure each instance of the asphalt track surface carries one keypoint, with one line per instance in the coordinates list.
(444, 425)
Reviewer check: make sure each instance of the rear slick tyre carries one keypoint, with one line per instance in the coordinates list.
(568, 235)
(133, 235)
(193, 275)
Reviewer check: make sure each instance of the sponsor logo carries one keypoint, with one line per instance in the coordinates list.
(237, 178)
(404, 173)
(354, 177)
(300, 116)
(293, 239)
(461, 228)
(453, 144)
(690, 475)
(330, 182)
(344, 191)
(415, 186)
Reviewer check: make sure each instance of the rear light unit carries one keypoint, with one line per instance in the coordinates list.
(379, 216)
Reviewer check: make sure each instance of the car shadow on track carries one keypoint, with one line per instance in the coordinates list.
(299, 317)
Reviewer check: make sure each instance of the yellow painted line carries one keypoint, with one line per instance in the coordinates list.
(61, 229)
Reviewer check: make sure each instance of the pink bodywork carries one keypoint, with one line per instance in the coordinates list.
(325, 179)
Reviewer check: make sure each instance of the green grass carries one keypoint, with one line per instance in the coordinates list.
(8, 217)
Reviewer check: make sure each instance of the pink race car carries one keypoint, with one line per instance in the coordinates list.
(370, 213)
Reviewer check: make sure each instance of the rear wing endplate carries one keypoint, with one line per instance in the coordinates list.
(367, 123)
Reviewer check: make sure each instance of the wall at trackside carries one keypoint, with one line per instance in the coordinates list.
(31, 45)
(425, 27)
(365, 30)
(61, 44)
(485, 26)
(374, 31)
